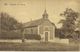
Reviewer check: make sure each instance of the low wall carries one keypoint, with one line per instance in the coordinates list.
(17, 40)
(9, 40)
(58, 40)
(31, 40)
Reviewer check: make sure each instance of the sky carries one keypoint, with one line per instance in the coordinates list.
(27, 10)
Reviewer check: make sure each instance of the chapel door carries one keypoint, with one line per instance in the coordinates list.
(46, 36)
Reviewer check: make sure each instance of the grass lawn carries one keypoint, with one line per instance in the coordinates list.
(37, 47)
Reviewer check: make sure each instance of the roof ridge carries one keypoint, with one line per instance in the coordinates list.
(34, 22)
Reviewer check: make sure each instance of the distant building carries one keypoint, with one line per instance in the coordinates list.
(43, 27)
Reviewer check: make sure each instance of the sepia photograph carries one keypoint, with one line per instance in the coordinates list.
(40, 25)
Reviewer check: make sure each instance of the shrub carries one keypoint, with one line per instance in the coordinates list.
(10, 35)
(32, 36)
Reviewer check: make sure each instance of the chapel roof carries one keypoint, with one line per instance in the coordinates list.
(36, 22)
(33, 23)
(39, 21)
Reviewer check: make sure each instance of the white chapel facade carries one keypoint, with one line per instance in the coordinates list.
(43, 27)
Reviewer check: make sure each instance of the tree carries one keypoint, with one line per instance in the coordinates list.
(7, 22)
(9, 27)
(68, 26)
(78, 24)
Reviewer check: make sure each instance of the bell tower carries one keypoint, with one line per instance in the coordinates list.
(45, 15)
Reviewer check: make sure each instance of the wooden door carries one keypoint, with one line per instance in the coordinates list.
(46, 36)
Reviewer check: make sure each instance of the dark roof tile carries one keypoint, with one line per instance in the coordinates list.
(35, 23)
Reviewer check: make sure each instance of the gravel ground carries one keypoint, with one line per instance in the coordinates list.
(38, 47)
